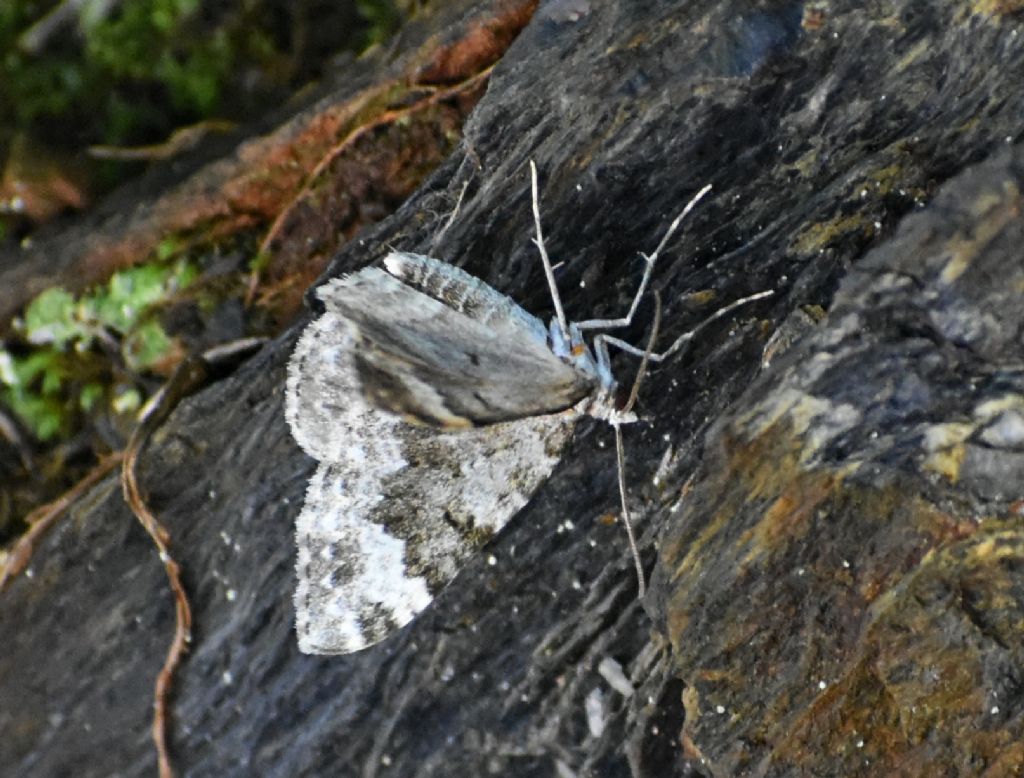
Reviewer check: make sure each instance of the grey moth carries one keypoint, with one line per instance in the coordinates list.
(435, 406)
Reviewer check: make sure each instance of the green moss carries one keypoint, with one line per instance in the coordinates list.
(31, 389)
(90, 395)
(382, 19)
(64, 368)
(130, 292)
(146, 345)
(50, 318)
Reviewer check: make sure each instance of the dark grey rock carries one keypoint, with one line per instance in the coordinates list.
(847, 575)
(820, 130)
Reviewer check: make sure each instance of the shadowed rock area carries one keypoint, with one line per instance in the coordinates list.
(854, 521)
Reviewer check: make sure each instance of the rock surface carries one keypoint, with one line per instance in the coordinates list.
(821, 127)
(846, 576)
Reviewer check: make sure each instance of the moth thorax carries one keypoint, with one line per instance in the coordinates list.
(572, 349)
(608, 404)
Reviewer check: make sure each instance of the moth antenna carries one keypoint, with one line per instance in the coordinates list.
(649, 260)
(539, 241)
(645, 360)
(677, 221)
(620, 455)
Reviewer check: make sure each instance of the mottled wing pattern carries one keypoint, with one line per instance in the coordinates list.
(471, 357)
(393, 509)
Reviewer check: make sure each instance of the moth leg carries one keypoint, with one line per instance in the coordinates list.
(625, 321)
(620, 449)
(620, 455)
(602, 341)
(549, 272)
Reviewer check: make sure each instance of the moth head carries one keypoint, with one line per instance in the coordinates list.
(575, 351)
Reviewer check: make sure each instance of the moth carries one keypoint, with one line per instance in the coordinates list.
(436, 406)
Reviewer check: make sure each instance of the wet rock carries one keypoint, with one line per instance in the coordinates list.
(820, 127)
